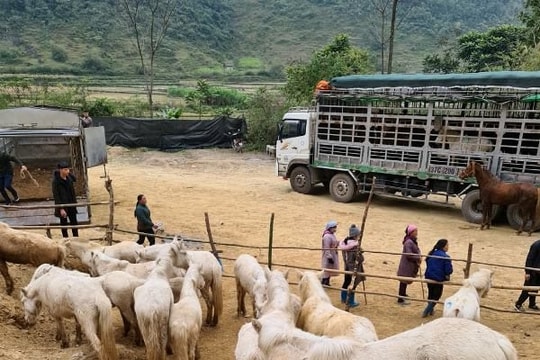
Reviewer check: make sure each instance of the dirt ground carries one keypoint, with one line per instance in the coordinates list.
(240, 191)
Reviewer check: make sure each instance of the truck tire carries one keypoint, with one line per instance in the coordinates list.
(300, 180)
(342, 188)
(471, 208)
(515, 219)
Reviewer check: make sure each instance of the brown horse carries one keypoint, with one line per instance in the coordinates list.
(495, 192)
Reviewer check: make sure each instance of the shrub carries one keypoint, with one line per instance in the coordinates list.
(59, 55)
(101, 107)
(181, 92)
(170, 112)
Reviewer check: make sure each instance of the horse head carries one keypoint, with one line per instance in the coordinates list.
(31, 305)
(469, 171)
(179, 255)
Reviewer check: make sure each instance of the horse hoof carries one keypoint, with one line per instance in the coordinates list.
(64, 344)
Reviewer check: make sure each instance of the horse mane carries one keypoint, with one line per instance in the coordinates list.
(481, 281)
(278, 293)
(310, 286)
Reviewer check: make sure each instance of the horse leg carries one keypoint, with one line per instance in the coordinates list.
(78, 333)
(206, 296)
(7, 277)
(520, 212)
(89, 327)
(240, 309)
(61, 333)
(127, 324)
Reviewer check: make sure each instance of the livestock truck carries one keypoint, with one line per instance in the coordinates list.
(414, 133)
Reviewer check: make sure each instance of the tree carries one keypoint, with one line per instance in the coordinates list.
(148, 21)
(338, 58)
(437, 63)
(385, 24)
(494, 49)
(530, 17)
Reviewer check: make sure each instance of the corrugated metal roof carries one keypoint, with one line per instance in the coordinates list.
(33, 118)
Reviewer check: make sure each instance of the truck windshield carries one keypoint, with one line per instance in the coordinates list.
(292, 128)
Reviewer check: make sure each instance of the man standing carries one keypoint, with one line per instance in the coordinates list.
(64, 193)
(86, 120)
(6, 177)
(532, 278)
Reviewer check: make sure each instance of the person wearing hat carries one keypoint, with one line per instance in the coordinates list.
(329, 253)
(409, 264)
(6, 176)
(350, 246)
(64, 193)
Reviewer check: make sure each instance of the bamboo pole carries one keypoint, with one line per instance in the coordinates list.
(359, 248)
(57, 227)
(467, 269)
(211, 238)
(110, 228)
(270, 240)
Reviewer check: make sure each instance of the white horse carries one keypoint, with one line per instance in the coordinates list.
(102, 264)
(456, 142)
(247, 347)
(465, 303)
(153, 303)
(320, 317)
(211, 272)
(150, 253)
(185, 321)
(124, 250)
(441, 339)
(66, 295)
(250, 277)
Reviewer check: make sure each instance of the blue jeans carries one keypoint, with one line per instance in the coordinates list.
(5, 184)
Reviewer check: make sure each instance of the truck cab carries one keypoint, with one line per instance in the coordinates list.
(293, 143)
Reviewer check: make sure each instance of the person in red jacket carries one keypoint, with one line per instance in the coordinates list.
(532, 278)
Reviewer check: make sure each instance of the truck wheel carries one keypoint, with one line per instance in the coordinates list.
(471, 208)
(515, 219)
(342, 188)
(301, 180)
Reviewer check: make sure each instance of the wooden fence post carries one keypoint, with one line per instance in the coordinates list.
(110, 228)
(211, 238)
(467, 269)
(270, 241)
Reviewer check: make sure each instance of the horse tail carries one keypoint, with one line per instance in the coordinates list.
(179, 336)
(333, 348)
(152, 336)
(536, 210)
(108, 346)
(217, 293)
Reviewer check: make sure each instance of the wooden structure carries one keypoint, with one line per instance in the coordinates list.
(41, 138)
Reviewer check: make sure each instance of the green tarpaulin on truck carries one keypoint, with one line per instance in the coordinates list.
(517, 79)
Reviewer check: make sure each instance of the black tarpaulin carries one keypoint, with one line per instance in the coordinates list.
(169, 134)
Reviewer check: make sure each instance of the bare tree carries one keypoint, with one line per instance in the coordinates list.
(148, 21)
(384, 24)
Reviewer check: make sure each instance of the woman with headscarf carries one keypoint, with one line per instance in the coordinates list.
(329, 251)
(350, 251)
(409, 264)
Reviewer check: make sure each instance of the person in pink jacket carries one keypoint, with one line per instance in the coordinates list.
(329, 251)
(350, 251)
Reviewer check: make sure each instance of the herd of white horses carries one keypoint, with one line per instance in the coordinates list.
(157, 291)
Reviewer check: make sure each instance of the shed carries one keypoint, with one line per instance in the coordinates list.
(41, 138)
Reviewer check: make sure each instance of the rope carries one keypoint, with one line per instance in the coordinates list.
(23, 176)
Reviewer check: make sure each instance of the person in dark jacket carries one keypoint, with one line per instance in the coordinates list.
(532, 278)
(349, 247)
(409, 264)
(64, 193)
(144, 221)
(6, 177)
(438, 268)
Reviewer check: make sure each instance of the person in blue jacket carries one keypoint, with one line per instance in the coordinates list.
(439, 268)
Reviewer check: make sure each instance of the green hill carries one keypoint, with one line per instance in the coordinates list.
(217, 37)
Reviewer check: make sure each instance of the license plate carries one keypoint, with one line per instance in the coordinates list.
(443, 170)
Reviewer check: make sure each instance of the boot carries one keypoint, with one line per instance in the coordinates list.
(428, 310)
(350, 301)
(343, 296)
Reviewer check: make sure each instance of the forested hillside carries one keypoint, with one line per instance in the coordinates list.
(216, 37)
